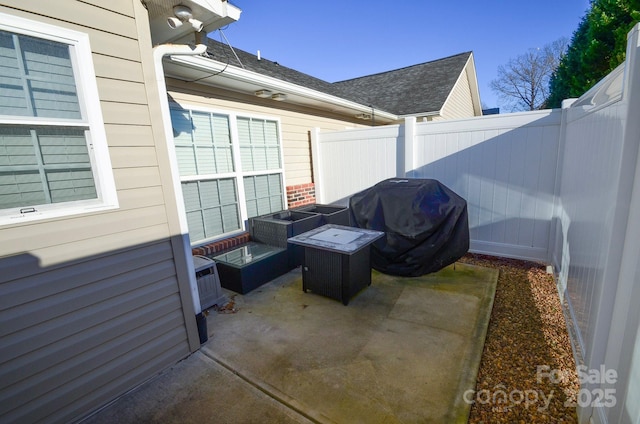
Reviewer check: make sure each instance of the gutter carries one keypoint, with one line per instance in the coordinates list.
(159, 52)
(250, 77)
(423, 114)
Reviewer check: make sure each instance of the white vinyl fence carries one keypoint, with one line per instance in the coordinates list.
(503, 165)
(597, 237)
(559, 186)
(351, 160)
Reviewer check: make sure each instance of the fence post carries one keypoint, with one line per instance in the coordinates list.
(316, 164)
(407, 145)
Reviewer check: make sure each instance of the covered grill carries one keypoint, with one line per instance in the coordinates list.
(425, 224)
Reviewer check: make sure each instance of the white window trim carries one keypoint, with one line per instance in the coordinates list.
(87, 87)
(238, 173)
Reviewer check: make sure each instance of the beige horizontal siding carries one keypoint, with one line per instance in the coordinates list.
(143, 197)
(121, 135)
(98, 245)
(109, 42)
(87, 15)
(301, 175)
(302, 154)
(112, 90)
(133, 157)
(114, 45)
(123, 7)
(81, 228)
(117, 68)
(125, 113)
(137, 177)
(460, 102)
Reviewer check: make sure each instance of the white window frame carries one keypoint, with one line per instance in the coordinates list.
(91, 119)
(238, 174)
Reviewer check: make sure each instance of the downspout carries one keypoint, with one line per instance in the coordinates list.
(159, 52)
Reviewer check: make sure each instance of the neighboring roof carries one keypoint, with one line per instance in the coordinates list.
(415, 89)
(223, 53)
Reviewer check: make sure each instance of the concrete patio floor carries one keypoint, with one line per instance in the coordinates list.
(404, 350)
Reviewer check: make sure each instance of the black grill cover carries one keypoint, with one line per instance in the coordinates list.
(425, 224)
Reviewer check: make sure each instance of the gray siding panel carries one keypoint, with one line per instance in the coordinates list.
(120, 373)
(71, 332)
(22, 281)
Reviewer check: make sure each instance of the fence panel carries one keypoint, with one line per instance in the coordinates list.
(345, 162)
(596, 250)
(505, 167)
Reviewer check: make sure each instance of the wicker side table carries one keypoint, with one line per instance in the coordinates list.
(336, 260)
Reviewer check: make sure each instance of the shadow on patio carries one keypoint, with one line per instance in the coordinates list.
(403, 350)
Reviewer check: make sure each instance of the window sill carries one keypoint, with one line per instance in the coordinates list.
(31, 217)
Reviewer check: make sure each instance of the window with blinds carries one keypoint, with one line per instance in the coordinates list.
(46, 154)
(259, 144)
(37, 78)
(226, 180)
(211, 207)
(43, 165)
(263, 194)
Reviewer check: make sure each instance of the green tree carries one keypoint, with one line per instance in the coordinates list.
(597, 47)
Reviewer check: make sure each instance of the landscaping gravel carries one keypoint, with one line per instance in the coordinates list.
(527, 373)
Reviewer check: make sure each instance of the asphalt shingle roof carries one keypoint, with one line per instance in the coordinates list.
(414, 89)
(411, 90)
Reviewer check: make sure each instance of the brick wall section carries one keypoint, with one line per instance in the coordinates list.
(302, 194)
(221, 245)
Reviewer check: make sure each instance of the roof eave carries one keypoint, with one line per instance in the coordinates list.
(225, 75)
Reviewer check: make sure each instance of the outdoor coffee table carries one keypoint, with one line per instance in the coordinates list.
(249, 266)
(336, 260)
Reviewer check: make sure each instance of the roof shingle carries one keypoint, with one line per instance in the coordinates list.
(415, 89)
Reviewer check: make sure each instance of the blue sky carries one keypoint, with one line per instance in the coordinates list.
(335, 41)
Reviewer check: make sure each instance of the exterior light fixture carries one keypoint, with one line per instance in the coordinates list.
(174, 22)
(182, 15)
(263, 93)
(279, 97)
(364, 116)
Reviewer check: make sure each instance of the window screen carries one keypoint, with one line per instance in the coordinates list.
(43, 165)
(203, 143)
(263, 194)
(259, 144)
(44, 139)
(37, 78)
(211, 207)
